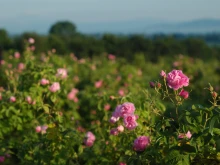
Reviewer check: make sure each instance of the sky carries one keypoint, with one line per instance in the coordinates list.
(39, 15)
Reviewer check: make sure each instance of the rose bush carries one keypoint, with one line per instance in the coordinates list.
(48, 117)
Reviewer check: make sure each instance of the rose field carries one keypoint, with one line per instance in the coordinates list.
(65, 110)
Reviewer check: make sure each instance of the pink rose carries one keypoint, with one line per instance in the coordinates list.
(89, 139)
(12, 99)
(38, 129)
(184, 94)
(141, 143)
(107, 107)
(17, 55)
(120, 128)
(44, 81)
(127, 108)
(55, 87)
(111, 57)
(188, 135)
(21, 66)
(121, 92)
(62, 73)
(28, 99)
(130, 121)
(44, 129)
(31, 40)
(176, 79)
(98, 84)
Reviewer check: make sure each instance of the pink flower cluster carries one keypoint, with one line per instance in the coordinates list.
(62, 73)
(89, 139)
(41, 129)
(125, 111)
(72, 95)
(141, 143)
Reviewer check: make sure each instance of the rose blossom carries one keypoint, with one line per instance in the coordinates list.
(188, 135)
(120, 128)
(141, 143)
(111, 57)
(55, 87)
(21, 66)
(98, 84)
(31, 40)
(12, 99)
(62, 73)
(130, 121)
(28, 99)
(176, 79)
(38, 129)
(127, 108)
(44, 81)
(89, 139)
(184, 94)
(17, 55)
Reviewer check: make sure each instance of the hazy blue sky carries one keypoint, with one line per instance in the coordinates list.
(34, 14)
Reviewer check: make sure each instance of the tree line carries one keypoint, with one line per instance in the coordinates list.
(64, 37)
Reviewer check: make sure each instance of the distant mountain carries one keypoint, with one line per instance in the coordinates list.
(152, 27)
(143, 26)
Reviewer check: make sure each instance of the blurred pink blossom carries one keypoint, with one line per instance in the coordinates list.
(54, 87)
(141, 143)
(107, 107)
(12, 99)
(17, 55)
(38, 129)
(121, 92)
(28, 99)
(111, 57)
(62, 73)
(31, 40)
(98, 84)
(120, 128)
(21, 66)
(188, 135)
(89, 139)
(44, 81)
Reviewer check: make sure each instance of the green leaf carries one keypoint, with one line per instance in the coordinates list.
(212, 123)
(46, 109)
